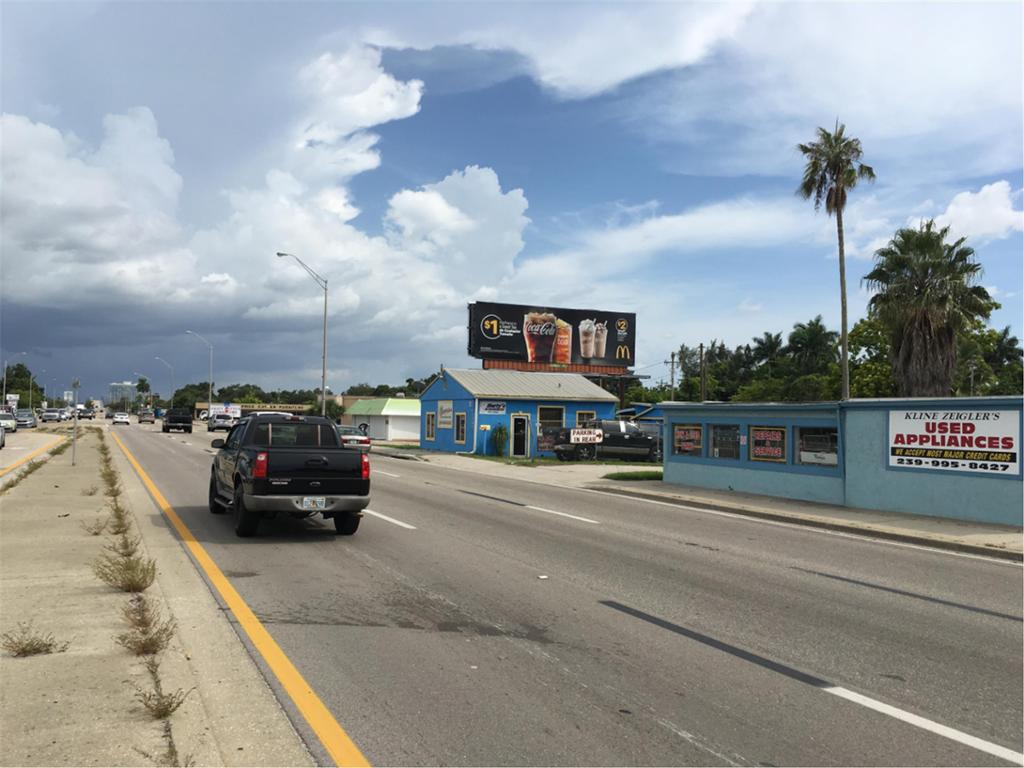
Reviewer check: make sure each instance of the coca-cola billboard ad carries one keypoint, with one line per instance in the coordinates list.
(551, 335)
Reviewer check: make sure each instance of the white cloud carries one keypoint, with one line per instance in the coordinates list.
(750, 306)
(987, 214)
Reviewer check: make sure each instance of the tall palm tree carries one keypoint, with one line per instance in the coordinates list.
(833, 169)
(767, 348)
(812, 345)
(925, 294)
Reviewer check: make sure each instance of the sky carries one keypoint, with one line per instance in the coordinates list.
(627, 157)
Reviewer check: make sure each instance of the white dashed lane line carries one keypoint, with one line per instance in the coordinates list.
(382, 472)
(392, 520)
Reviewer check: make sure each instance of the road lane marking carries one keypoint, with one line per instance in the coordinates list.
(339, 746)
(32, 455)
(399, 523)
(562, 514)
(382, 472)
(821, 684)
(927, 725)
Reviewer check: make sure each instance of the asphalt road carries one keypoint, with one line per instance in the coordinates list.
(507, 622)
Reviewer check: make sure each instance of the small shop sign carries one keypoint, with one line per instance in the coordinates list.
(445, 414)
(582, 436)
(955, 441)
(492, 407)
(768, 444)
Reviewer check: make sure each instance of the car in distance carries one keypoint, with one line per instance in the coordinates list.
(293, 465)
(8, 421)
(51, 414)
(146, 415)
(177, 418)
(353, 437)
(86, 413)
(121, 418)
(3, 437)
(223, 421)
(25, 418)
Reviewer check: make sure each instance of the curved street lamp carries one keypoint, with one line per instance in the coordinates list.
(322, 282)
(171, 367)
(209, 398)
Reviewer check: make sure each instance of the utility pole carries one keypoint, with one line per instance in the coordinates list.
(322, 282)
(672, 374)
(75, 384)
(703, 376)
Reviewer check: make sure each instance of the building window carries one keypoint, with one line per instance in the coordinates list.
(460, 428)
(582, 417)
(431, 423)
(817, 446)
(725, 441)
(767, 444)
(688, 439)
(550, 416)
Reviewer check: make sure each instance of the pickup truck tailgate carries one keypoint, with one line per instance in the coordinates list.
(316, 471)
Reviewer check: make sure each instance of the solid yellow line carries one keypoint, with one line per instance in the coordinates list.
(337, 743)
(32, 455)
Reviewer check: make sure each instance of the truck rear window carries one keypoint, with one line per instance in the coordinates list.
(298, 435)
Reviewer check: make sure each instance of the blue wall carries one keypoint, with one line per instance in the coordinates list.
(863, 477)
(791, 480)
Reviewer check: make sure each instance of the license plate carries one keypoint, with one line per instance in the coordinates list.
(314, 502)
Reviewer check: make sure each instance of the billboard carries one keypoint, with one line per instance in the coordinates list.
(552, 335)
(955, 441)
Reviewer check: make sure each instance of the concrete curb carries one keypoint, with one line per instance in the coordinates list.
(956, 546)
(393, 453)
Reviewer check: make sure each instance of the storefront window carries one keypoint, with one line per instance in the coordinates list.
(817, 446)
(582, 417)
(687, 439)
(430, 425)
(725, 441)
(460, 427)
(549, 422)
(767, 444)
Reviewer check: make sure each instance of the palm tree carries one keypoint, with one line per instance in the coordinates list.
(833, 169)
(925, 294)
(813, 346)
(767, 348)
(1005, 349)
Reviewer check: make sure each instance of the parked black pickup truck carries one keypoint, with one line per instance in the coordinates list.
(619, 440)
(177, 418)
(290, 464)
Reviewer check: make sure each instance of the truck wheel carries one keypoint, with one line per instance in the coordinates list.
(586, 452)
(246, 521)
(166, 429)
(215, 506)
(189, 430)
(346, 525)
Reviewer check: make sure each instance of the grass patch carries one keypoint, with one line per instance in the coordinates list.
(124, 545)
(27, 642)
(129, 574)
(649, 474)
(61, 448)
(159, 704)
(96, 527)
(31, 467)
(149, 633)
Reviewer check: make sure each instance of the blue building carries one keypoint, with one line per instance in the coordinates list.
(951, 457)
(460, 408)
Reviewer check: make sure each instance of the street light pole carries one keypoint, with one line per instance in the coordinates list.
(30, 389)
(322, 282)
(5, 374)
(209, 398)
(172, 379)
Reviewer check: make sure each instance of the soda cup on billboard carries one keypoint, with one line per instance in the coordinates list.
(539, 334)
(563, 343)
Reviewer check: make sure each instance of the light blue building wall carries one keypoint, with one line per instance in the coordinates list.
(861, 475)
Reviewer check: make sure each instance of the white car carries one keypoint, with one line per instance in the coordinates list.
(8, 421)
(121, 418)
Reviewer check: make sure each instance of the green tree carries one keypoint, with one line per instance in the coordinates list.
(833, 168)
(925, 296)
(767, 349)
(870, 371)
(812, 346)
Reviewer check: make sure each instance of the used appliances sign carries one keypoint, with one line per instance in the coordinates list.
(955, 441)
(551, 335)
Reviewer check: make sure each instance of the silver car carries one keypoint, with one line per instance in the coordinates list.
(8, 421)
(26, 419)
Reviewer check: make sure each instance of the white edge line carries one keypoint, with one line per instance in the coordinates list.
(928, 725)
(562, 514)
(382, 472)
(399, 523)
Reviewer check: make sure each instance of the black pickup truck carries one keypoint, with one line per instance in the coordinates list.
(619, 440)
(294, 465)
(177, 418)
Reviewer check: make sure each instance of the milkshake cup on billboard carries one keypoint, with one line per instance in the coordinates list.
(587, 329)
(563, 343)
(539, 333)
(600, 339)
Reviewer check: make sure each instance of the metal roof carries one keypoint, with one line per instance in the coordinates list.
(385, 406)
(529, 385)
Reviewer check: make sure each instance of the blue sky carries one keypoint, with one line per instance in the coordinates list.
(634, 157)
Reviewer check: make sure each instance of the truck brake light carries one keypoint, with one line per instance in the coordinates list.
(259, 468)
(366, 466)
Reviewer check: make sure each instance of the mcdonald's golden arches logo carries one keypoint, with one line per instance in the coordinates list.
(622, 352)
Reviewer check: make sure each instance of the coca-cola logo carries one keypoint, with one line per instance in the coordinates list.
(540, 329)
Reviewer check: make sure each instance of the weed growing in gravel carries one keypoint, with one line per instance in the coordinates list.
(149, 633)
(124, 545)
(91, 491)
(119, 522)
(31, 467)
(129, 574)
(61, 448)
(96, 527)
(159, 704)
(26, 642)
(169, 758)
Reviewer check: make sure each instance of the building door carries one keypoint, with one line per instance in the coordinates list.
(520, 436)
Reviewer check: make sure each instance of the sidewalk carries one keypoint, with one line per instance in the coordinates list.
(1000, 541)
(79, 707)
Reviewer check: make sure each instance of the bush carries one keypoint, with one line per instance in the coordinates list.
(499, 436)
